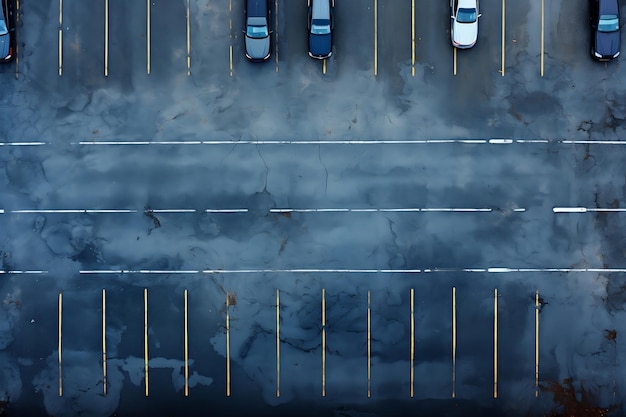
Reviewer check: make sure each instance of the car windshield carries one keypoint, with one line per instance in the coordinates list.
(608, 23)
(320, 26)
(257, 31)
(3, 27)
(466, 15)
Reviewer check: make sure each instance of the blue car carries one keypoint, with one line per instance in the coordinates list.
(321, 25)
(257, 43)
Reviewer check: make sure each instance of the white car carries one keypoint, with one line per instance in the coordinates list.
(464, 23)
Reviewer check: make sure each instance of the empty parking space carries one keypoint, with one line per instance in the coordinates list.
(354, 43)
(394, 46)
(168, 38)
(82, 55)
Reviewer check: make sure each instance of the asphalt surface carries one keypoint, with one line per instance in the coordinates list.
(162, 167)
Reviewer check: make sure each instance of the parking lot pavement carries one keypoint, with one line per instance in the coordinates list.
(149, 185)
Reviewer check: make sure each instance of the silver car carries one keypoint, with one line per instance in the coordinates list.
(258, 45)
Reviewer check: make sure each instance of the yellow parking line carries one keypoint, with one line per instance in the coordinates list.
(323, 342)
(542, 34)
(277, 343)
(276, 32)
(369, 345)
(104, 342)
(60, 359)
(17, 56)
(495, 343)
(412, 341)
(230, 35)
(60, 37)
(412, 45)
(453, 342)
(106, 38)
(145, 335)
(537, 343)
(186, 346)
(324, 67)
(227, 346)
(503, 26)
(454, 61)
(375, 37)
(188, 42)
(148, 37)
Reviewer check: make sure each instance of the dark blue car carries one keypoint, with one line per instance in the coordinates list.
(321, 28)
(605, 33)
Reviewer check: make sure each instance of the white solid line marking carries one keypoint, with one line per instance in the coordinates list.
(1, 211)
(587, 210)
(594, 142)
(277, 343)
(569, 210)
(24, 272)
(290, 142)
(226, 210)
(532, 141)
(382, 210)
(495, 270)
(501, 141)
(69, 211)
(22, 143)
(173, 211)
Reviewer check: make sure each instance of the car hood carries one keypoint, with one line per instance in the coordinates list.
(607, 43)
(4, 46)
(320, 45)
(465, 33)
(258, 48)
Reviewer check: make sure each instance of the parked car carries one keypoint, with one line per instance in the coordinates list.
(321, 25)
(464, 23)
(7, 31)
(605, 33)
(258, 44)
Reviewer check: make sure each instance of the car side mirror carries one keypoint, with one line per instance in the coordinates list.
(480, 14)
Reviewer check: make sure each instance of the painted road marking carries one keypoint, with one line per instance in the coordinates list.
(412, 341)
(188, 41)
(230, 36)
(17, 47)
(542, 34)
(503, 25)
(60, 346)
(25, 272)
(375, 37)
(388, 210)
(227, 345)
(453, 342)
(537, 343)
(148, 38)
(587, 210)
(106, 38)
(412, 41)
(22, 143)
(104, 342)
(497, 270)
(70, 211)
(324, 67)
(186, 346)
(276, 33)
(323, 342)
(493, 141)
(495, 343)
(277, 343)
(369, 345)
(145, 336)
(60, 37)
(454, 61)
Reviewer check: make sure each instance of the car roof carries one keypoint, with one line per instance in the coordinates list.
(321, 9)
(257, 7)
(608, 7)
